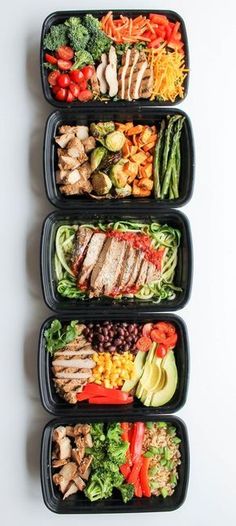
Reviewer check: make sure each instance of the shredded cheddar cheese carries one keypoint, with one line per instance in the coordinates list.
(169, 73)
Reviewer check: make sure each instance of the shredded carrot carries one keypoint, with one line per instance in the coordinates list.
(125, 29)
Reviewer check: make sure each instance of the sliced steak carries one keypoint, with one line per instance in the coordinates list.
(106, 271)
(83, 236)
(153, 274)
(142, 274)
(139, 256)
(130, 261)
(94, 249)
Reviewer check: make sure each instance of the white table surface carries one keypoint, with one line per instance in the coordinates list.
(209, 412)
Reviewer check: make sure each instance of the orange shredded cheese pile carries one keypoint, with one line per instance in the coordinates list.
(169, 73)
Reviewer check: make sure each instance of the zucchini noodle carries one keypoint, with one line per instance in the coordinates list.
(162, 236)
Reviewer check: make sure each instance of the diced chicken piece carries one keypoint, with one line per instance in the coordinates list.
(79, 483)
(59, 463)
(94, 249)
(72, 488)
(89, 144)
(65, 475)
(59, 433)
(88, 440)
(82, 132)
(69, 163)
(75, 148)
(78, 454)
(84, 466)
(85, 169)
(82, 429)
(70, 431)
(66, 129)
(85, 475)
(81, 187)
(83, 236)
(67, 176)
(60, 152)
(63, 140)
(64, 448)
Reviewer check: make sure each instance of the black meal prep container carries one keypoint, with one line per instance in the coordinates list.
(78, 503)
(60, 16)
(183, 273)
(55, 405)
(141, 115)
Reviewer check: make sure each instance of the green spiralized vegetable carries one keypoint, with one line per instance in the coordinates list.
(162, 236)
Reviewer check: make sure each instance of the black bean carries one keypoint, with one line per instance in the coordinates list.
(105, 331)
(117, 342)
(126, 347)
(101, 338)
(112, 348)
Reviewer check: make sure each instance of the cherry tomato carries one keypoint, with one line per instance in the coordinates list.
(83, 85)
(61, 94)
(55, 89)
(147, 329)
(70, 97)
(157, 336)
(161, 351)
(171, 340)
(165, 327)
(65, 52)
(50, 58)
(76, 75)
(63, 80)
(85, 95)
(64, 65)
(88, 72)
(74, 89)
(144, 343)
(52, 77)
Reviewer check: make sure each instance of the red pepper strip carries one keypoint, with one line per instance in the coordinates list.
(125, 470)
(125, 436)
(133, 476)
(138, 489)
(144, 477)
(137, 440)
(98, 390)
(109, 401)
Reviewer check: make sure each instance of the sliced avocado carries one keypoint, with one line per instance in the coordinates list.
(163, 396)
(138, 371)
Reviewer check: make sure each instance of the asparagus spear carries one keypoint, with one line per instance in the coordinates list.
(157, 162)
(168, 135)
(171, 160)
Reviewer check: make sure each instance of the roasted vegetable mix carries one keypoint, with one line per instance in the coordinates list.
(111, 362)
(115, 160)
(132, 459)
(119, 59)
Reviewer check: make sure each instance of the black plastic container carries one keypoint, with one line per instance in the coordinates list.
(80, 504)
(141, 115)
(54, 404)
(183, 273)
(60, 16)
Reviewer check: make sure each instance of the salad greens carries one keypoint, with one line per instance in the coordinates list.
(57, 337)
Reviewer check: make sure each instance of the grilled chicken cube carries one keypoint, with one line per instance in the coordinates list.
(63, 140)
(65, 475)
(75, 148)
(59, 433)
(85, 465)
(79, 483)
(72, 488)
(81, 187)
(69, 163)
(58, 463)
(89, 144)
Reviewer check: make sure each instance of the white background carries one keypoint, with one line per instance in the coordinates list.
(209, 411)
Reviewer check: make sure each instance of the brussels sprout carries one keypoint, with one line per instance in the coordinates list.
(101, 183)
(124, 192)
(110, 159)
(96, 157)
(118, 175)
(115, 141)
(101, 129)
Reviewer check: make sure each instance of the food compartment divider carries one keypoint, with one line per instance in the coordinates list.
(141, 115)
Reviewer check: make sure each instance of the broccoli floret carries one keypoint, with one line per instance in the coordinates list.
(114, 430)
(91, 23)
(127, 492)
(98, 43)
(117, 451)
(77, 33)
(82, 58)
(99, 486)
(56, 37)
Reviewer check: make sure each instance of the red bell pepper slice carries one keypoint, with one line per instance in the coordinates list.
(138, 489)
(91, 390)
(159, 19)
(109, 401)
(125, 469)
(133, 476)
(155, 43)
(137, 441)
(146, 491)
(125, 436)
